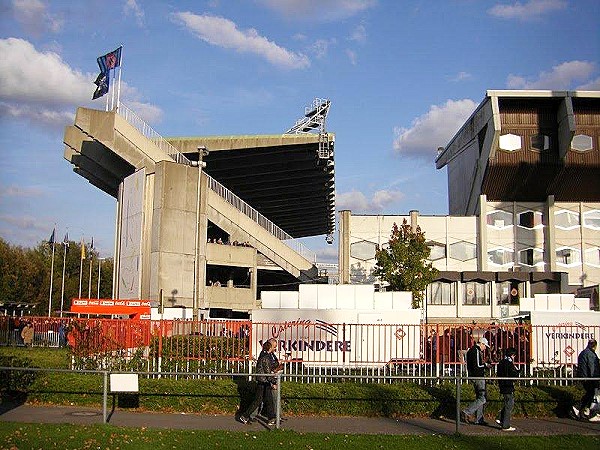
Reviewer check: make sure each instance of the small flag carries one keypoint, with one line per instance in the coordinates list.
(82, 249)
(92, 246)
(110, 60)
(51, 240)
(66, 240)
(102, 85)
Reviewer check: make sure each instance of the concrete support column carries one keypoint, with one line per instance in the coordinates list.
(482, 247)
(549, 234)
(414, 220)
(344, 247)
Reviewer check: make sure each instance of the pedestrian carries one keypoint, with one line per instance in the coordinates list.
(265, 385)
(476, 366)
(506, 369)
(588, 366)
(27, 334)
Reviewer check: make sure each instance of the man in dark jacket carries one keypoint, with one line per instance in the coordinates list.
(588, 366)
(506, 369)
(476, 366)
(265, 384)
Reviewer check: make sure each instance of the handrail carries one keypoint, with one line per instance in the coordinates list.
(260, 219)
(139, 124)
(146, 130)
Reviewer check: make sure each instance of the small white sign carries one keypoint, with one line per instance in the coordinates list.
(124, 382)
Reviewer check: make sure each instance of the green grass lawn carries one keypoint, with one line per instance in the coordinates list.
(52, 358)
(49, 436)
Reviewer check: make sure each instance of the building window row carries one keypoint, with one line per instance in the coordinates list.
(541, 143)
(477, 293)
(563, 219)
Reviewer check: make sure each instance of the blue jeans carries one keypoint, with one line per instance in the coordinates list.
(507, 408)
(477, 406)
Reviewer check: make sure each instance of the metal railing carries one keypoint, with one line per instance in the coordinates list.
(260, 219)
(457, 380)
(147, 131)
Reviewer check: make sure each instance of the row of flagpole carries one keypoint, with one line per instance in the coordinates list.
(65, 243)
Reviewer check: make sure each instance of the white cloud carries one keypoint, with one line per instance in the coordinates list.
(461, 76)
(593, 85)
(34, 17)
(132, 7)
(359, 34)
(327, 254)
(27, 75)
(352, 56)
(563, 76)
(322, 10)
(224, 33)
(357, 202)
(529, 10)
(151, 114)
(433, 129)
(42, 88)
(321, 47)
(19, 191)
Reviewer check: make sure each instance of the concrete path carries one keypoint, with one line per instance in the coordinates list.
(343, 425)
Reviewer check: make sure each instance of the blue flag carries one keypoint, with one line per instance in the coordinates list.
(110, 60)
(51, 240)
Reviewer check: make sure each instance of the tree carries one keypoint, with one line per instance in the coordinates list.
(403, 264)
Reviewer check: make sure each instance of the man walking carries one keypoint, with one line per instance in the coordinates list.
(588, 366)
(506, 369)
(476, 366)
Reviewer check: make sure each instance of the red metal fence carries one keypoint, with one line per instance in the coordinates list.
(307, 347)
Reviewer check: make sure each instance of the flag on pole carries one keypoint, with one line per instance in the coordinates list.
(51, 240)
(110, 60)
(82, 250)
(101, 82)
(66, 241)
(106, 63)
(91, 248)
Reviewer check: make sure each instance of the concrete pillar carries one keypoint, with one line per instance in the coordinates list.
(344, 247)
(414, 220)
(549, 235)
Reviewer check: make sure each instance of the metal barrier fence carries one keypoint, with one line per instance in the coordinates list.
(312, 351)
(458, 381)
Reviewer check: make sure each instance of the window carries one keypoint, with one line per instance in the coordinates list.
(440, 293)
(501, 257)
(510, 142)
(499, 219)
(540, 142)
(531, 219)
(566, 220)
(508, 293)
(364, 250)
(438, 251)
(476, 293)
(568, 256)
(592, 256)
(463, 251)
(591, 219)
(582, 143)
(531, 256)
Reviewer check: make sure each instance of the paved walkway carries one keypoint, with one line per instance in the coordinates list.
(344, 425)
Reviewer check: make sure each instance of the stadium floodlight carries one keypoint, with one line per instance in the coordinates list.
(314, 117)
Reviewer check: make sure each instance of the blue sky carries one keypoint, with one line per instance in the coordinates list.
(402, 77)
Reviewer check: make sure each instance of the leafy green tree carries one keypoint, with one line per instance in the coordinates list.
(25, 274)
(403, 264)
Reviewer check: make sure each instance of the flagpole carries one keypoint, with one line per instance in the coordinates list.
(90, 280)
(62, 291)
(81, 266)
(51, 278)
(119, 82)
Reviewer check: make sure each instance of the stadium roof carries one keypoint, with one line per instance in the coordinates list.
(289, 178)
